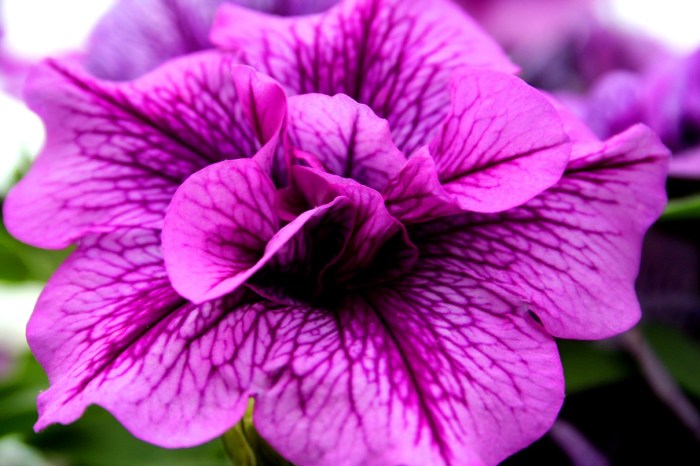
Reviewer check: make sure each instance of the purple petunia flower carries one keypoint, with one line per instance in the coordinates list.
(137, 35)
(377, 239)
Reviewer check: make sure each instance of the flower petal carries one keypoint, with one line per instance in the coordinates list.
(222, 227)
(571, 254)
(116, 153)
(109, 330)
(135, 37)
(501, 144)
(393, 55)
(432, 371)
(347, 138)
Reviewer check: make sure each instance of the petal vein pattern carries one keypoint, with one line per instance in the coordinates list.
(173, 373)
(136, 36)
(416, 377)
(116, 153)
(581, 236)
(394, 56)
(501, 144)
(236, 233)
(345, 138)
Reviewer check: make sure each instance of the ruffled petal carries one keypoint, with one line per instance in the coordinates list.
(373, 225)
(501, 144)
(395, 56)
(346, 138)
(116, 153)
(222, 227)
(583, 235)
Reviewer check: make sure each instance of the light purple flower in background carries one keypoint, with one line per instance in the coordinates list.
(392, 299)
(138, 35)
(518, 23)
(666, 98)
(564, 44)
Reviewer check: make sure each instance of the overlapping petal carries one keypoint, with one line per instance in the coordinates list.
(222, 227)
(398, 365)
(373, 225)
(581, 236)
(173, 373)
(501, 144)
(116, 153)
(137, 36)
(392, 55)
(345, 138)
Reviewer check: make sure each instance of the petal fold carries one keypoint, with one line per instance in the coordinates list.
(345, 137)
(501, 144)
(222, 227)
(373, 225)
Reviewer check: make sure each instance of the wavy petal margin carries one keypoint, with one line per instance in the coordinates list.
(345, 138)
(222, 227)
(137, 36)
(501, 144)
(561, 249)
(173, 373)
(116, 153)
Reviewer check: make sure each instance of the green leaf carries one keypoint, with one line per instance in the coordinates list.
(679, 354)
(683, 208)
(591, 364)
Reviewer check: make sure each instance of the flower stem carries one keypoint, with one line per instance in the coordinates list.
(577, 447)
(245, 447)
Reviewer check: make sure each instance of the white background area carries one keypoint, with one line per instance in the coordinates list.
(39, 28)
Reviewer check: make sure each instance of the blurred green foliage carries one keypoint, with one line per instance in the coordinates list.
(679, 354)
(22, 263)
(97, 439)
(682, 209)
(591, 364)
(245, 447)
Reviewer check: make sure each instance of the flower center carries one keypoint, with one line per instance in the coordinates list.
(330, 270)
